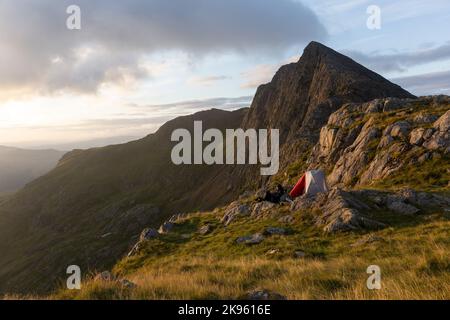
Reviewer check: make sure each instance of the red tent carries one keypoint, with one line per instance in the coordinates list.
(311, 183)
(299, 188)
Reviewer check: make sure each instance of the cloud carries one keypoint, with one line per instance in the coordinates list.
(207, 81)
(38, 51)
(190, 106)
(400, 62)
(426, 84)
(258, 75)
(263, 73)
(132, 120)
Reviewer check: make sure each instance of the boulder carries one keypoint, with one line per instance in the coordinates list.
(260, 208)
(437, 141)
(104, 276)
(443, 123)
(367, 240)
(166, 227)
(303, 203)
(416, 136)
(272, 252)
(400, 129)
(127, 284)
(262, 294)
(249, 240)
(234, 210)
(270, 231)
(440, 139)
(287, 219)
(207, 228)
(376, 105)
(148, 234)
(425, 157)
(299, 254)
(341, 212)
(425, 118)
(391, 104)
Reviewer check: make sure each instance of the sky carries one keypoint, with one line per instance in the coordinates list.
(135, 64)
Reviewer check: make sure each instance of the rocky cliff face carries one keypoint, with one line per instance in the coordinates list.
(363, 144)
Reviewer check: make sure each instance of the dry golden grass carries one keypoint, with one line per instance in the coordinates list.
(407, 274)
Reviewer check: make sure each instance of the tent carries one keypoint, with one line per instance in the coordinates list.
(311, 183)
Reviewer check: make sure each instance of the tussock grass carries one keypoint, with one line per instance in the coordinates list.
(413, 258)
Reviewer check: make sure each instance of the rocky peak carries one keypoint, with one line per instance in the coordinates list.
(302, 95)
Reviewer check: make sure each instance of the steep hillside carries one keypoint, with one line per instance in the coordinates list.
(88, 208)
(20, 166)
(318, 247)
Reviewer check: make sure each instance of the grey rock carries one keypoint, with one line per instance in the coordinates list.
(303, 203)
(341, 213)
(135, 249)
(376, 105)
(148, 234)
(425, 118)
(425, 157)
(234, 210)
(262, 294)
(416, 136)
(127, 284)
(260, 208)
(367, 240)
(385, 141)
(400, 129)
(299, 254)
(391, 104)
(428, 133)
(104, 276)
(443, 123)
(205, 229)
(402, 208)
(437, 141)
(249, 240)
(287, 219)
(355, 157)
(274, 231)
(272, 251)
(166, 227)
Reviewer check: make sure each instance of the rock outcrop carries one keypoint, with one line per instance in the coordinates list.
(340, 210)
(363, 143)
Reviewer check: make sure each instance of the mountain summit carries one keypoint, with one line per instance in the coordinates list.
(302, 95)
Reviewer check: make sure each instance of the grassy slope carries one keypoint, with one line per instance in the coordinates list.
(413, 254)
(413, 257)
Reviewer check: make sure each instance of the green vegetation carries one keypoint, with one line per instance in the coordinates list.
(432, 175)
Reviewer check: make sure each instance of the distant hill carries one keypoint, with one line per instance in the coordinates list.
(20, 166)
